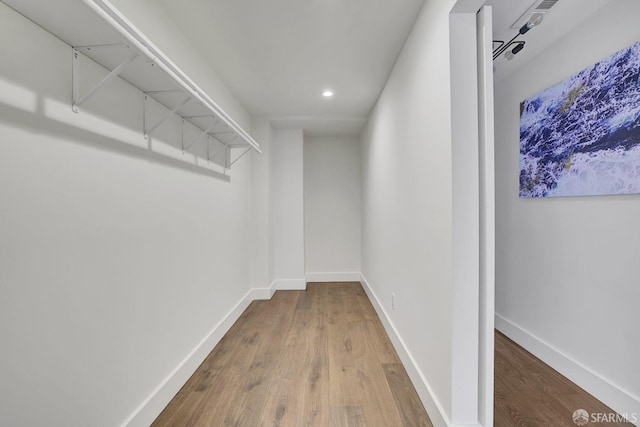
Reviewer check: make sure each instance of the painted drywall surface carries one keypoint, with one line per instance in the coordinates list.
(154, 21)
(287, 205)
(567, 269)
(114, 263)
(260, 204)
(332, 194)
(407, 199)
(465, 225)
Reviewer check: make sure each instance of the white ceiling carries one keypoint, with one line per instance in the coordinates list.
(277, 56)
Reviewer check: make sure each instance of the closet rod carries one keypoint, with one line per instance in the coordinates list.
(133, 35)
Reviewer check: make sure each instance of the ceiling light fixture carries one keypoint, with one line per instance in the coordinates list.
(534, 20)
(327, 93)
(513, 52)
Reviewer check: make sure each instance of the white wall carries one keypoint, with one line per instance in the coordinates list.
(332, 193)
(287, 209)
(115, 263)
(261, 271)
(567, 268)
(407, 213)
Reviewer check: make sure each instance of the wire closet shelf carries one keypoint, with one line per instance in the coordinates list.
(167, 91)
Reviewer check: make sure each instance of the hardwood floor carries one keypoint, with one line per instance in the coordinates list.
(321, 358)
(530, 393)
(318, 357)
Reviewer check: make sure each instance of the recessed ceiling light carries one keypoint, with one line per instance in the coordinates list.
(327, 93)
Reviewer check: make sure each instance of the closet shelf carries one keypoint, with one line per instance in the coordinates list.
(104, 35)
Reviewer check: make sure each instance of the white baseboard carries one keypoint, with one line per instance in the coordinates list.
(278, 285)
(289, 285)
(431, 403)
(147, 412)
(263, 293)
(334, 277)
(161, 396)
(602, 389)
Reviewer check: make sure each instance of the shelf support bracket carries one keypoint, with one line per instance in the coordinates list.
(240, 156)
(79, 100)
(212, 158)
(182, 134)
(199, 137)
(149, 131)
(227, 158)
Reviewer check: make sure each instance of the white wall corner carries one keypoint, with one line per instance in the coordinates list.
(611, 395)
(431, 403)
(149, 410)
(350, 276)
(467, 6)
(286, 205)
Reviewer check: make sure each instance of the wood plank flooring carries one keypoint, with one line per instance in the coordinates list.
(318, 357)
(321, 358)
(530, 393)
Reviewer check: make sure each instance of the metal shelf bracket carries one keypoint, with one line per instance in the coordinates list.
(149, 130)
(75, 75)
(240, 156)
(200, 136)
(212, 158)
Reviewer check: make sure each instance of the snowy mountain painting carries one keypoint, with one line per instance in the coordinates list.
(582, 136)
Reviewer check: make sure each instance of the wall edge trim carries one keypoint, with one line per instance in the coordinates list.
(264, 293)
(149, 410)
(431, 403)
(289, 285)
(347, 276)
(159, 398)
(602, 389)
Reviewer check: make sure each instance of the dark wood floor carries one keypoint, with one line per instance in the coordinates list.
(322, 358)
(305, 358)
(530, 393)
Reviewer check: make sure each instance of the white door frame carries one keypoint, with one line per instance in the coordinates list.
(487, 215)
(473, 201)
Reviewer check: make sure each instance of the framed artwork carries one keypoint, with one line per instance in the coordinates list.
(582, 136)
